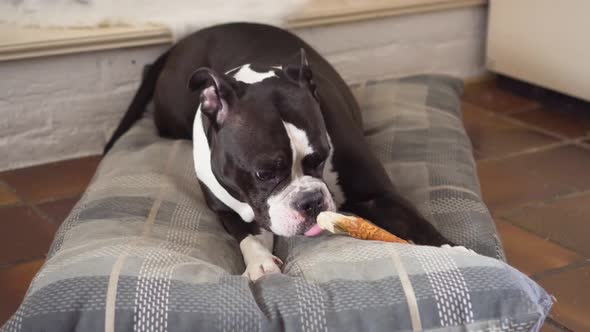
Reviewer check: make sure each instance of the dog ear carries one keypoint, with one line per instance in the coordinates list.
(215, 94)
(300, 73)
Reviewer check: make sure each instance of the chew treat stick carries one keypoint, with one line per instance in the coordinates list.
(356, 227)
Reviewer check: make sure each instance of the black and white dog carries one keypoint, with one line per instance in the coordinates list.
(277, 138)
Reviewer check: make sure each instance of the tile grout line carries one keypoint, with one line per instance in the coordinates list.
(579, 142)
(569, 267)
(503, 113)
(504, 213)
(507, 215)
(557, 324)
(23, 203)
(583, 144)
(536, 105)
(33, 206)
(10, 190)
(50, 162)
(36, 210)
(563, 140)
(525, 152)
(21, 261)
(60, 198)
(523, 124)
(546, 239)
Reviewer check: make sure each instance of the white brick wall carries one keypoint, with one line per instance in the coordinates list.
(61, 107)
(450, 42)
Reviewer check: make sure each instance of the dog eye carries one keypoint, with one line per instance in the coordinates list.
(266, 175)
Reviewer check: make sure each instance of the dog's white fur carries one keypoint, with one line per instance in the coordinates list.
(284, 219)
(331, 177)
(181, 17)
(257, 253)
(250, 76)
(300, 147)
(202, 160)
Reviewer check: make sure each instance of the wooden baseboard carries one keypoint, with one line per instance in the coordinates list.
(22, 43)
(323, 12)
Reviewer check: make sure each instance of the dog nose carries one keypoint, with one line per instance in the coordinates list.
(310, 204)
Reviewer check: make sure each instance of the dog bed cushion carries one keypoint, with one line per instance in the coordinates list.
(140, 250)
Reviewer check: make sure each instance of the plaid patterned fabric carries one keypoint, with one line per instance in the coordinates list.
(140, 251)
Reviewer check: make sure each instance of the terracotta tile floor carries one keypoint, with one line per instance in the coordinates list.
(534, 165)
(33, 203)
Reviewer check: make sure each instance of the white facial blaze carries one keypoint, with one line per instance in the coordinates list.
(331, 177)
(202, 160)
(299, 146)
(248, 75)
(284, 219)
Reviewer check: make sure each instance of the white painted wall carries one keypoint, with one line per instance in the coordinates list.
(450, 42)
(542, 43)
(61, 107)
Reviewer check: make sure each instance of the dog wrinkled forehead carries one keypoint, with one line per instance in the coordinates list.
(273, 95)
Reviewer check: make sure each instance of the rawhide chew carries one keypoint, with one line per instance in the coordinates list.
(356, 227)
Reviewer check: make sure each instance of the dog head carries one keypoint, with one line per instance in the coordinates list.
(267, 143)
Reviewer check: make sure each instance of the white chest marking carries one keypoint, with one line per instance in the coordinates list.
(202, 160)
(248, 75)
(299, 146)
(331, 177)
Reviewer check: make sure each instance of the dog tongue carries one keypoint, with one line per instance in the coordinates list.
(313, 231)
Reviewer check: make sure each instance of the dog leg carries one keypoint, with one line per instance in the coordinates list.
(256, 245)
(257, 252)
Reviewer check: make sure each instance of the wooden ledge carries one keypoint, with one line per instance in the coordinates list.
(22, 43)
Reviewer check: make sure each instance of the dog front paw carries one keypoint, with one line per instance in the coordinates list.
(262, 267)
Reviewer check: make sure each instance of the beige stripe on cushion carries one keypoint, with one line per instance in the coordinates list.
(109, 325)
(408, 291)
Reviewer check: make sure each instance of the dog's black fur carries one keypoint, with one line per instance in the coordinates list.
(176, 91)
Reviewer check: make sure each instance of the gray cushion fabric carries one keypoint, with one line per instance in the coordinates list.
(414, 126)
(140, 251)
